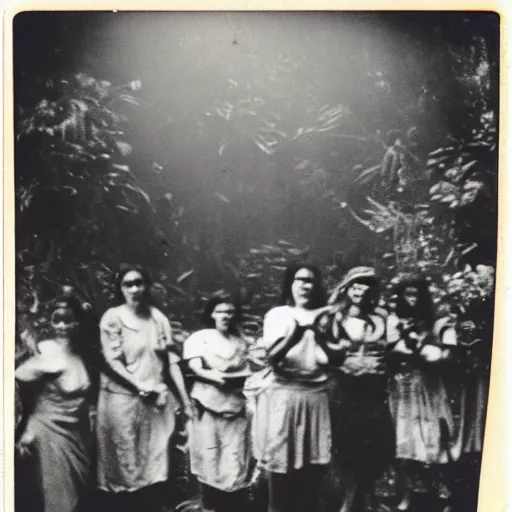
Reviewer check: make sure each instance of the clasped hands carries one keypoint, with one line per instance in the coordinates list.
(157, 395)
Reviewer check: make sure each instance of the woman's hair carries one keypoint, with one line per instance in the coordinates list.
(370, 299)
(74, 304)
(221, 297)
(362, 275)
(424, 310)
(124, 268)
(318, 296)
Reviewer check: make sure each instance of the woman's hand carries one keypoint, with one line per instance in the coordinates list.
(311, 320)
(146, 390)
(26, 442)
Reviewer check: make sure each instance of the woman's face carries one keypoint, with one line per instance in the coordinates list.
(223, 315)
(133, 288)
(63, 322)
(303, 287)
(411, 296)
(356, 293)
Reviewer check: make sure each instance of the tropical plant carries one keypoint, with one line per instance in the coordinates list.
(75, 193)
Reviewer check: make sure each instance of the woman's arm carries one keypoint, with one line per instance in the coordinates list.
(45, 364)
(177, 377)
(112, 349)
(215, 377)
(48, 362)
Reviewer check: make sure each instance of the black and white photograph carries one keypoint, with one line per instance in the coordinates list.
(255, 258)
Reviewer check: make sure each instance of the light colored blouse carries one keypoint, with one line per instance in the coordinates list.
(217, 353)
(305, 361)
(139, 344)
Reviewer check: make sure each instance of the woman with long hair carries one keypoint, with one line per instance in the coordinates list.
(291, 422)
(136, 406)
(219, 444)
(421, 345)
(55, 437)
(362, 427)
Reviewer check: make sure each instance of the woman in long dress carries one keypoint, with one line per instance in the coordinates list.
(420, 346)
(56, 440)
(220, 443)
(136, 406)
(291, 421)
(362, 426)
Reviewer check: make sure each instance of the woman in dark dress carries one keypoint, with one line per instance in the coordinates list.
(362, 428)
(56, 441)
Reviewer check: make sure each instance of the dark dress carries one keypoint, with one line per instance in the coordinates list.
(60, 459)
(363, 433)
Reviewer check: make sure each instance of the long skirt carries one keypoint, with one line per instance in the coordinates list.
(363, 429)
(133, 439)
(220, 450)
(57, 475)
(422, 415)
(292, 427)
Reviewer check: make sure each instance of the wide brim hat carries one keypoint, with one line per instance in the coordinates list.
(361, 274)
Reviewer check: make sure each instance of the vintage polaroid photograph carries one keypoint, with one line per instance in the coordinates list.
(255, 258)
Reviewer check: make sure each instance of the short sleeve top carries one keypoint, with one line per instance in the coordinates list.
(140, 344)
(218, 353)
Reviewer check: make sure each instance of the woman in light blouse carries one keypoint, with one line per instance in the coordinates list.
(219, 445)
(136, 407)
(291, 423)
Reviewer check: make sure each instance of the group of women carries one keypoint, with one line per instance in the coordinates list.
(345, 383)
